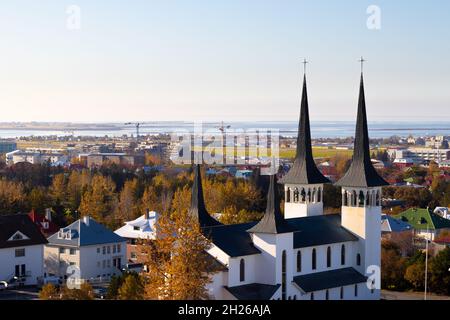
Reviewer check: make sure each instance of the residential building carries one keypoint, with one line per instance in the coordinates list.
(21, 250)
(98, 159)
(44, 222)
(426, 223)
(418, 155)
(304, 254)
(140, 229)
(89, 247)
(32, 157)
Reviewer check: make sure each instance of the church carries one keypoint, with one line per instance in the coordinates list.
(303, 254)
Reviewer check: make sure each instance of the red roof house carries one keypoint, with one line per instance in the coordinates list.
(44, 222)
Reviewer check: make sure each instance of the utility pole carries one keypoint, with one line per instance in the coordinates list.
(426, 265)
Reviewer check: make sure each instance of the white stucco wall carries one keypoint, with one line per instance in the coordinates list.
(33, 261)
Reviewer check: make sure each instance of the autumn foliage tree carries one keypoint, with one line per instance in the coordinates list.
(177, 266)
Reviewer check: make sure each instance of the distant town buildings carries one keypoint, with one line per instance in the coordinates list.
(418, 155)
(98, 159)
(33, 157)
(7, 146)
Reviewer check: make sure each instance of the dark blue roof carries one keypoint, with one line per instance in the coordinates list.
(85, 235)
(235, 241)
(253, 291)
(329, 279)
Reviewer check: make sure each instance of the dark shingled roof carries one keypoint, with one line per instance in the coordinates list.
(232, 239)
(254, 291)
(329, 279)
(304, 170)
(198, 208)
(10, 224)
(361, 173)
(235, 241)
(320, 230)
(273, 221)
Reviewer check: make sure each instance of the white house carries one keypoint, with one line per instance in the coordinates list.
(21, 250)
(305, 254)
(142, 228)
(93, 250)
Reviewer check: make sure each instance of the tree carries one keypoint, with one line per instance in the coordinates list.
(85, 292)
(128, 206)
(415, 274)
(177, 266)
(392, 267)
(440, 272)
(99, 200)
(48, 292)
(58, 189)
(132, 288)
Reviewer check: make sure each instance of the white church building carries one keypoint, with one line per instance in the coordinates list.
(305, 254)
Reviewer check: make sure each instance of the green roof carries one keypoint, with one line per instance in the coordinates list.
(419, 218)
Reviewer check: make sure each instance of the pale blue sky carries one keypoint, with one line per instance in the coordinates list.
(222, 60)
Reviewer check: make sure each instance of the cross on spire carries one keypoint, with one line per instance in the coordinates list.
(304, 65)
(362, 63)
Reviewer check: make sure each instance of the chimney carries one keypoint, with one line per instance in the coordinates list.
(86, 220)
(48, 214)
(147, 214)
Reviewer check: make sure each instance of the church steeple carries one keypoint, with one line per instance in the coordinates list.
(272, 222)
(198, 209)
(361, 172)
(304, 170)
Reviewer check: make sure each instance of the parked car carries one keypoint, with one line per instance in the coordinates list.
(100, 293)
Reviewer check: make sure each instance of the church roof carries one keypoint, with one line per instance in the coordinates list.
(320, 230)
(329, 279)
(253, 291)
(304, 169)
(273, 221)
(235, 241)
(361, 172)
(198, 207)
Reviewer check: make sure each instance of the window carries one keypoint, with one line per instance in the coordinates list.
(108, 263)
(20, 252)
(118, 248)
(104, 250)
(136, 228)
(358, 259)
(288, 195)
(319, 195)
(98, 250)
(62, 250)
(299, 261)
(283, 275)
(312, 295)
(314, 264)
(72, 251)
(361, 199)
(72, 263)
(98, 264)
(327, 295)
(295, 195)
(133, 255)
(356, 290)
(108, 249)
(114, 248)
(342, 293)
(242, 270)
(17, 237)
(104, 264)
(328, 257)
(343, 254)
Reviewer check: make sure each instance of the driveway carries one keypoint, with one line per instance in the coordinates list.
(20, 294)
(394, 295)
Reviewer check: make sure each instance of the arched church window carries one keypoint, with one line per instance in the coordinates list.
(356, 290)
(344, 199)
(361, 199)
(299, 261)
(367, 199)
(303, 195)
(295, 195)
(313, 259)
(358, 259)
(283, 275)
(288, 194)
(312, 295)
(378, 199)
(319, 194)
(314, 195)
(309, 195)
(342, 293)
(329, 257)
(354, 198)
(327, 295)
(242, 270)
(343, 254)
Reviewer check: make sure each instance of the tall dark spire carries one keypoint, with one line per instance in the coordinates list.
(273, 221)
(198, 208)
(304, 170)
(361, 172)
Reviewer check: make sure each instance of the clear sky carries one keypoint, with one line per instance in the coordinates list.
(222, 60)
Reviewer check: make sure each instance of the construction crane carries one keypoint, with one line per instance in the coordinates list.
(223, 127)
(137, 125)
